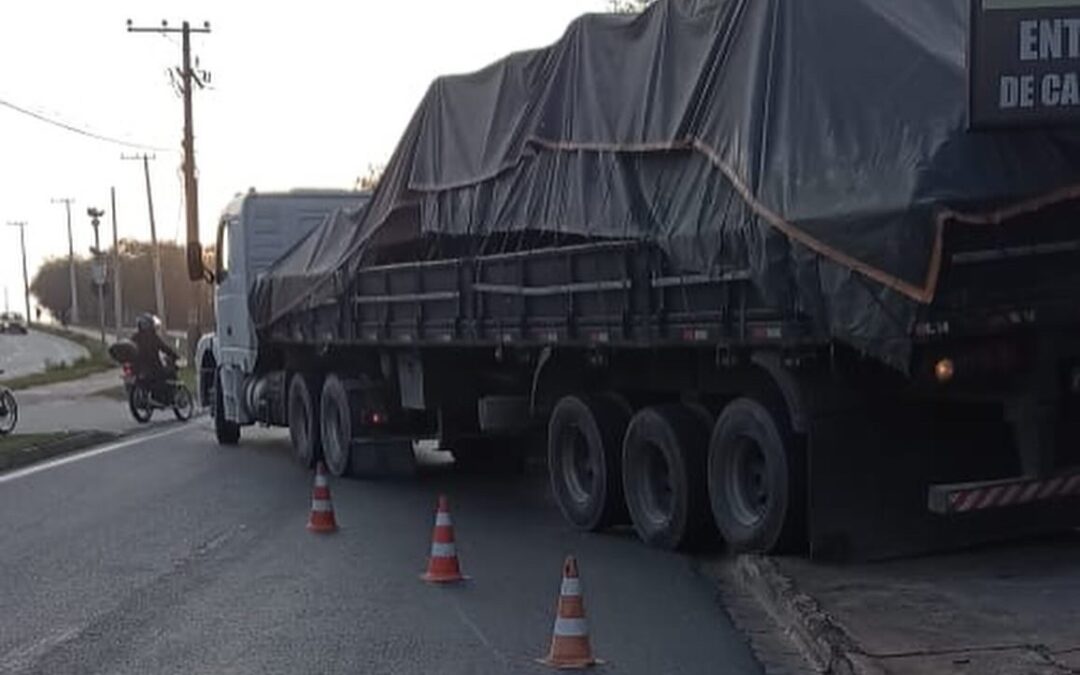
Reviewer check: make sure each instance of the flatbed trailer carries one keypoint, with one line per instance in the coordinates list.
(573, 345)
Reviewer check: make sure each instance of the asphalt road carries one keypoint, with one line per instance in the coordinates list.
(78, 405)
(172, 555)
(25, 354)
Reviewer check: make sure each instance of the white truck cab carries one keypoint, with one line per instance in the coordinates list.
(254, 230)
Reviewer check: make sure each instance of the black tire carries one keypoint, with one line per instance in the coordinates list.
(757, 478)
(305, 428)
(664, 459)
(139, 403)
(10, 416)
(227, 433)
(183, 405)
(585, 437)
(338, 419)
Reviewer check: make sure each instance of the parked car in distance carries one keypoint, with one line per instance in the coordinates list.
(13, 323)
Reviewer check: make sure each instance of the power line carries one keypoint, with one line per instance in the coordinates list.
(77, 130)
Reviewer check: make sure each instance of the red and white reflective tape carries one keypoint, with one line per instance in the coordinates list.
(442, 518)
(568, 627)
(571, 586)
(321, 505)
(972, 498)
(442, 550)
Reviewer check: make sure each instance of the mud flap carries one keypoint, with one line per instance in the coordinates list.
(382, 458)
(872, 460)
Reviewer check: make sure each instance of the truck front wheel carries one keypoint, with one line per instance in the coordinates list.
(228, 433)
(303, 417)
(585, 458)
(756, 481)
(664, 476)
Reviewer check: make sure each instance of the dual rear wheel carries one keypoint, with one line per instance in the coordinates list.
(678, 476)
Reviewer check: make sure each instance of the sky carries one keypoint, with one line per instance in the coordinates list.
(301, 95)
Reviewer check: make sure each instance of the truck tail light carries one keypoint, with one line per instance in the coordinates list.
(944, 370)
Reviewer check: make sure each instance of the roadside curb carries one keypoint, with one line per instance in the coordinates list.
(828, 647)
(69, 444)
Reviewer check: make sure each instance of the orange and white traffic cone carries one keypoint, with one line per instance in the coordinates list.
(443, 564)
(322, 509)
(570, 648)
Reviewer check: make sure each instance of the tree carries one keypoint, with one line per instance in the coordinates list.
(184, 300)
(370, 180)
(628, 6)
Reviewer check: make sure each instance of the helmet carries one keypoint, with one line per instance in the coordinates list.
(145, 322)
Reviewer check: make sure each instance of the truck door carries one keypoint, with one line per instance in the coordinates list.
(236, 338)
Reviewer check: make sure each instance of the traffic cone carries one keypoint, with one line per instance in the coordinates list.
(322, 509)
(443, 564)
(570, 648)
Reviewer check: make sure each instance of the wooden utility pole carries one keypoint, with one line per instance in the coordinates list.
(118, 301)
(196, 271)
(25, 278)
(74, 317)
(155, 252)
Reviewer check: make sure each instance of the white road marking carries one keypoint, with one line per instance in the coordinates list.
(23, 658)
(93, 452)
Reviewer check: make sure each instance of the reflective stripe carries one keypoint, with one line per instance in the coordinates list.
(1051, 488)
(991, 496)
(442, 518)
(571, 586)
(320, 480)
(571, 627)
(442, 550)
(1030, 492)
(321, 505)
(1073, 483)
(1011, 494)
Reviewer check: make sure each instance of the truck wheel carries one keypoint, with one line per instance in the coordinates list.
(756, 481)
(228, 433)
(585, 460)
(338, 424)
(664, 459)
(303, 416)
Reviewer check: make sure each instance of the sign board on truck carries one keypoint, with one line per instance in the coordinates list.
(1024, 63)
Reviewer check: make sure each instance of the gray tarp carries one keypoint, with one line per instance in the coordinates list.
(811, 141)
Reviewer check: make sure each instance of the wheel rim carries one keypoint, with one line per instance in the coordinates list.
(657, 490)
(8, 412)
(183, 405)
(579, 471)
(141, 403)
(299, 424)
(334, 443)
(747, 483)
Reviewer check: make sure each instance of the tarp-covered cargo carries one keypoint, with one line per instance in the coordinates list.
(813, 143)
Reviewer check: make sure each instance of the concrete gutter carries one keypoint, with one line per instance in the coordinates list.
(824, 643)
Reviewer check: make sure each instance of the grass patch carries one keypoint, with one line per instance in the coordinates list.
(20, 442)
(18, 450)
(97, 362)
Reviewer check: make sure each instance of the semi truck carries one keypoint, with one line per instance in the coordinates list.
(727, 305)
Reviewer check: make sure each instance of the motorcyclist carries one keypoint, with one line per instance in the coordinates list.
(151, 347)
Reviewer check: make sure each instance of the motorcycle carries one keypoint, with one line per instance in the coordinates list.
(144, 395)
(9, 410)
